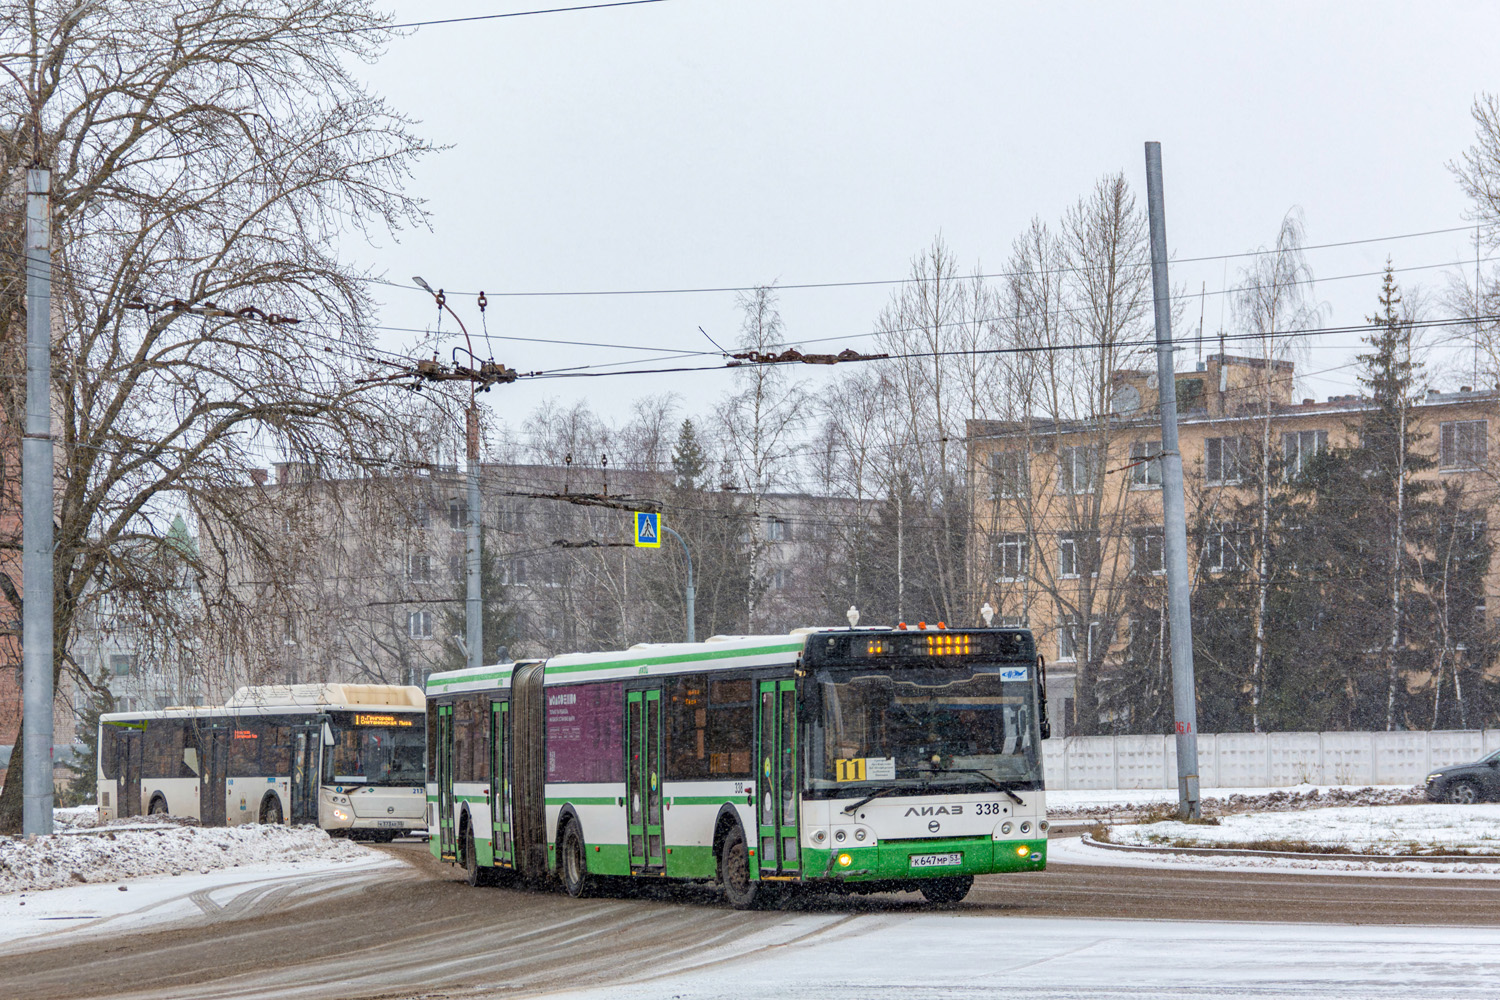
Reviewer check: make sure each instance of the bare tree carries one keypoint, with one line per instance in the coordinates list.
(1274, 304)
(759, 427)
(208, 159)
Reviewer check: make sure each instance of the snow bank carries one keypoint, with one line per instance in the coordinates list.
(110, 855)
(75, 818)
(1220, 801)
(1410, 829)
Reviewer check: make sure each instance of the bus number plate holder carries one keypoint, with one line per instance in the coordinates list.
(937, 860)
(389, 824)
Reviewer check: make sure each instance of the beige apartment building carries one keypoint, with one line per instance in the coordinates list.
(1070, 513)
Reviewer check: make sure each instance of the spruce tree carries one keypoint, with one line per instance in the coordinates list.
(689, 463)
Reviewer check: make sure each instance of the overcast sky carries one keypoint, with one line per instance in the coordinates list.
(698, 143)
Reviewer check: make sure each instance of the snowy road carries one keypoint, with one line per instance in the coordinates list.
(417, 931)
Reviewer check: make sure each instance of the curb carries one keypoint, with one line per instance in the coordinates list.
(1483, 859)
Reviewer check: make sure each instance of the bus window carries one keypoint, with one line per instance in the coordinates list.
(276, 750)
(471, 726)
(731, 729)
(687, 725)
(109, 751)
(244, 748)
(584, 732)
(371, 751)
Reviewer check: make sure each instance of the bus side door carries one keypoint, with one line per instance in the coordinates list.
(776, 738)
(307, 745)
(447, 841)
(213, 773)
(128, 797)
(643, 779)
(500, 784)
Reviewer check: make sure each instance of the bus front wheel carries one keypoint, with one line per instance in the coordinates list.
(575, 863)
(947, 890)
(734, 871)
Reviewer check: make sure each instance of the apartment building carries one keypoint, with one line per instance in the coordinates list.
(1070, 518)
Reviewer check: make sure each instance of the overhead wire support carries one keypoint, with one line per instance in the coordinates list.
(792, 356)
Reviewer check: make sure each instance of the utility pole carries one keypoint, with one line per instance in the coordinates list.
(36, 511)
(691, 594)
(473, 605)
(473, 600)
(1174, 506)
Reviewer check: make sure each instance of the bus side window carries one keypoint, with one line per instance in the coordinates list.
(161, 752)
(687, 724)
(244, 747)
(731, 728)
(432, 728)
(109, 751)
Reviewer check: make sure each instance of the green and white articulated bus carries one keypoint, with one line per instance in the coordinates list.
(851, 759)
(347, 757)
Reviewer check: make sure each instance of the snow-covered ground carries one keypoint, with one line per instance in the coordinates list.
(1432, 829)
(111, 854)
(1100, 801)
(927, 956)
(1072, 851)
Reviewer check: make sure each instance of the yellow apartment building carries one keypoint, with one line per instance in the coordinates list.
(1069, 512)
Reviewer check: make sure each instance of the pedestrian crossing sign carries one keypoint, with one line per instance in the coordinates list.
(647, 530)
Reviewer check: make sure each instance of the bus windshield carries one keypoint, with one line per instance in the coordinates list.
(375, 750)
(919, 726)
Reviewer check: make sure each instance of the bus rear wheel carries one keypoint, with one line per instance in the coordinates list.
(734, 871)
(575, 862)
(475, 873)
(270, 813)
(158, 806)
(947, 890)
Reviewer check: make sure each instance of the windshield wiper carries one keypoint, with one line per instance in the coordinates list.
(888, 789)
(983, 774)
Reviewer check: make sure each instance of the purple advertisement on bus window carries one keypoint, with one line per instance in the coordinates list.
(584, 724)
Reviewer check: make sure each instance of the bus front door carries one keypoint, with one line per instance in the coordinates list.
(500, 805)
(212, 777)
(776, 729)
(643, 779)
(307, 742)
(447, 841)
(128, 797)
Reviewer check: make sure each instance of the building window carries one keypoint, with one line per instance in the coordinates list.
(1070, 641)
(1008, 473)
(419, 567)
(455, 515)
(778, 579)
(422, 518)
(1077, 553)
(515, 572)
(1077, 468)
(1298, 449)
(1012, 556)
(122, 664)
(1463, 444)
(1148, 552)
(1221, 460)
(419, 625)
(778, 530)
(1226, 547)
(1145, 465)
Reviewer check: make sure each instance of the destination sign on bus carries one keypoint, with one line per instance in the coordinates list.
(383, 720)
(938, 643)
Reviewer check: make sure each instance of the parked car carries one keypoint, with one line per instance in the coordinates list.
(1466, 783)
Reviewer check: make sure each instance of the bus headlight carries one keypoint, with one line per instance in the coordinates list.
(819, 836)
(1023, 850)
(1005, 827)
(859, 834)
(1026, 827)
(845, 861)
(340, 815)
(840, 836)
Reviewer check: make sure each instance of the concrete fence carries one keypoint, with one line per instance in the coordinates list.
(1262, 760)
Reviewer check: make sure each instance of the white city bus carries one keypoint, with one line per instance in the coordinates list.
(347, 757)
(857, 760)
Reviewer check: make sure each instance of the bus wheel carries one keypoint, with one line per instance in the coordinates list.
(734, 871)
(575, 863)
(947, 890)
(158, 806)
(475, 873)
(270, 813)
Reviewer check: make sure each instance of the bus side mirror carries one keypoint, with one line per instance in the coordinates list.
(1046, 727)
(327, 735)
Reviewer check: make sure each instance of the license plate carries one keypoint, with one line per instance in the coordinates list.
(390, 823)
(936, 860)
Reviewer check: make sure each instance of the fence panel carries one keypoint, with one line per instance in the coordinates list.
(1296, 759)
(1140, 762)
(1242, 760)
